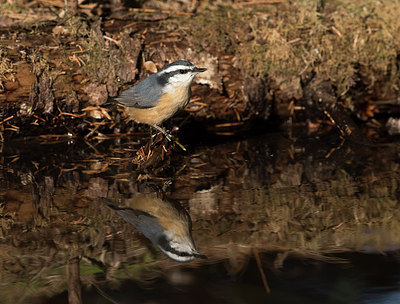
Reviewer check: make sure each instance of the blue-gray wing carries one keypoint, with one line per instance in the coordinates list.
(144, 222)
(143, 95)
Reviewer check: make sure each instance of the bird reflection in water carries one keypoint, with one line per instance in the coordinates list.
(165, 224)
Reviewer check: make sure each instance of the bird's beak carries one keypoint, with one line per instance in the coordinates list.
(199, 70)
(199, 255)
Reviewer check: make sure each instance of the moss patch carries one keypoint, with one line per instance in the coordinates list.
(340, 42)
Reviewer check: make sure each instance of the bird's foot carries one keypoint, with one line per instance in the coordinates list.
(169, 137)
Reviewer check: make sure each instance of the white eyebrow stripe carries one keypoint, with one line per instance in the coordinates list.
(176, 68)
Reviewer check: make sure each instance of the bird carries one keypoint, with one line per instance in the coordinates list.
(159, 96)
(165, 224)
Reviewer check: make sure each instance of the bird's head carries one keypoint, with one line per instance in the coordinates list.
(178, 74)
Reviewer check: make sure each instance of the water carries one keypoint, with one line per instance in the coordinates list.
(316, 217)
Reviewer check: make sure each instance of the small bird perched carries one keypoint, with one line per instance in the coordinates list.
(161, 95)
(166, 224)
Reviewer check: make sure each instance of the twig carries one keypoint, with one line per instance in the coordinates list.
(294, 40)
(113, 40)
(40, 118)
(259, 2)
(264, 278)
(335, 148)
(6, 119)
(103, 294)
(150, 10)
(199, 103)
(129, 25)
(180, 145)
(149, 154)
(334, 123)
(70, 114)
(336, 31)
(229, 124)
(59, 4)
(164, 41)
(92, 131)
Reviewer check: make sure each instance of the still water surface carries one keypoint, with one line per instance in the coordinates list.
(299, 219)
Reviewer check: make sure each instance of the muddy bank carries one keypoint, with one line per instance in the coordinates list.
(301, 60)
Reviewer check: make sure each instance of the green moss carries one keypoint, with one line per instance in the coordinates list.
(215, 30)
(101, 61)
(12, 7)
(77, 26)
(88, 269)
(338, 43)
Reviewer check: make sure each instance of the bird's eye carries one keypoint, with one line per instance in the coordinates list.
(182, 71)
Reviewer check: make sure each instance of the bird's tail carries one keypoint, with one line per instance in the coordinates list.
(109, 103)
(111, 204)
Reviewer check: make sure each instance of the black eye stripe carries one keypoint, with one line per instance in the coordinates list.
(163, 78)
(163, 242)
(168, 248)
(181, 71)
(171, 74)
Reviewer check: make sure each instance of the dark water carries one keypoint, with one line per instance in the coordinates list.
(282, 219)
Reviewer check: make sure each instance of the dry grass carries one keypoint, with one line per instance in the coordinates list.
(6, 69)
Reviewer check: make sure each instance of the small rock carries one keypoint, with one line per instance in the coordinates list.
(393, 126)
(150, 66)
(97, 93)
